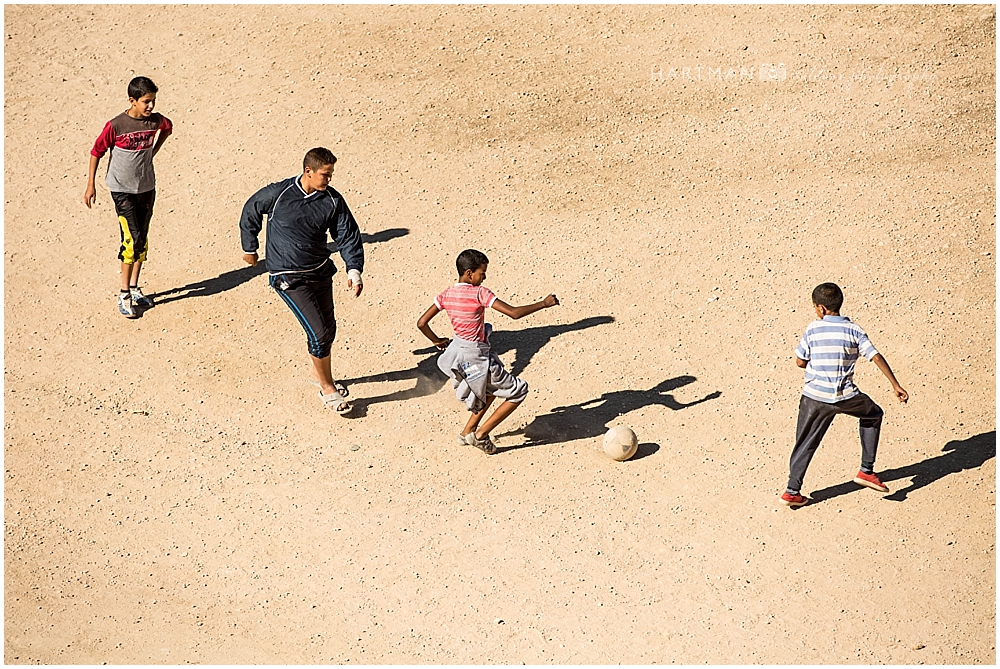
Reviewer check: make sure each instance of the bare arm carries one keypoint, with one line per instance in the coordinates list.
(883, 366)
(799, 362)
(90, 195)
(526, 310)
(159, 141)
(424, 326)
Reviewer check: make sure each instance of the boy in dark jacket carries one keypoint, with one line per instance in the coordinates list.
(300, 211)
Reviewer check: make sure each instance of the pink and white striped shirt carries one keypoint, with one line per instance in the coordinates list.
(466, 305)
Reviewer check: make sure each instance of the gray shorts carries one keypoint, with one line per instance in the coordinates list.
(481, 378)
(503, 384)
(477, 373)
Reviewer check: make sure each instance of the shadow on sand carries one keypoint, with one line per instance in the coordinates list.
(429, 379)
(206, 287)
(590, 419)
(959, 456)
(233, 278)
(375, 238)
(526, 343)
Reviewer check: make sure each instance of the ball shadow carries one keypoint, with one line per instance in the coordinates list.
(644, 451)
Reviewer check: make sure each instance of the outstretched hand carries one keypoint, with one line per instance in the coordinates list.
(551, 301)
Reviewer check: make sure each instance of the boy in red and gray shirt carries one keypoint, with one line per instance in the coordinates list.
(133, 137)
(477, 373)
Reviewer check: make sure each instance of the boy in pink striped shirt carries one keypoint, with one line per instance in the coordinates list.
(477, 373)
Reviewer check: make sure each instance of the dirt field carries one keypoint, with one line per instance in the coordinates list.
(681, 177)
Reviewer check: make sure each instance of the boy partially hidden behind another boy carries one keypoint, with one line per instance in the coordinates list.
(828, 351)
(477, 373)
(133, 137)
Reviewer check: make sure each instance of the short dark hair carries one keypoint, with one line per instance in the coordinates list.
(470, 259)
(828, 295)
(317, 158)
(140, 86)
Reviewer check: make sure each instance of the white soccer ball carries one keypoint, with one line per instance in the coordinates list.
(620, 443)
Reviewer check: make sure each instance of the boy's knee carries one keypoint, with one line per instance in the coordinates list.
(874, 417)
(520, 391)
(324, 341)
(320, 351)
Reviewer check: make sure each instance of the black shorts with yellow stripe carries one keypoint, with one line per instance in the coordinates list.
(134, 212)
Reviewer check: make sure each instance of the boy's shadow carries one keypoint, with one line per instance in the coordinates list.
(233, 278)
(374, 238)
(384, 235)
(526, 343)
(205, 287)
(969, 453)
(430, 379)
(590, 419)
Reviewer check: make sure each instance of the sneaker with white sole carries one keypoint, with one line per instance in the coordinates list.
(485, 444)
(794, 499)
(870, 481)
(125, 305)
(138, 299)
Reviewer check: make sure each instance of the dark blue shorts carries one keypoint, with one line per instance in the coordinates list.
(310, 297)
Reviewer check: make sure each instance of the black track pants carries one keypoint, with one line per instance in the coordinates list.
(815, 419)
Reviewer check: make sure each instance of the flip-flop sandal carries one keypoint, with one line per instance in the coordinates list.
(335, 401)
(339, 385)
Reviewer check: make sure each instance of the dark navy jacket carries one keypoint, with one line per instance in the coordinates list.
(297, 225)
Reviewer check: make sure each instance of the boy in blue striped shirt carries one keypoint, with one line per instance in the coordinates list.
(828, 351)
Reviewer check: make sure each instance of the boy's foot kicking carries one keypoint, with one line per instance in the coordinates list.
(485, 444)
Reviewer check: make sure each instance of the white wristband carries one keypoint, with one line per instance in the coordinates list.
(354, 276)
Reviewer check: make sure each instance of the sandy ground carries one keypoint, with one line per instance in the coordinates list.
(680, 176)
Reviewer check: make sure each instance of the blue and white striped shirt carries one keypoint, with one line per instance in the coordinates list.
(831, 347)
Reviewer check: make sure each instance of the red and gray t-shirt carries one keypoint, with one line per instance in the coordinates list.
(131, 141)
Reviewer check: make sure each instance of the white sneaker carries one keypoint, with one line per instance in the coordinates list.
(125, 305)
(140, 300)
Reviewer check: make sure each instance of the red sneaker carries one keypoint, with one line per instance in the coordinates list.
(789, 499)
(870, 481)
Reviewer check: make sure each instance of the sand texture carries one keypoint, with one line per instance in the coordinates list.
(680, 176)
